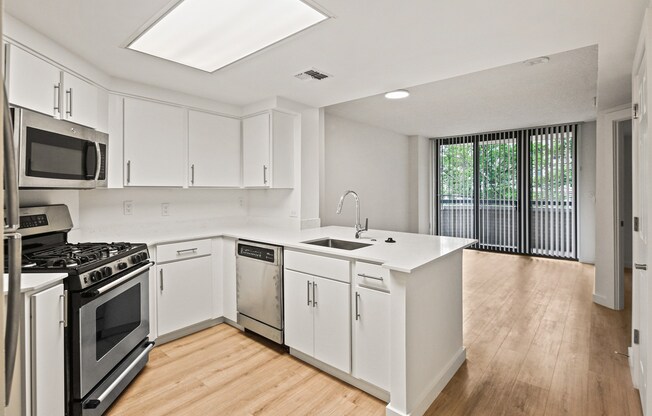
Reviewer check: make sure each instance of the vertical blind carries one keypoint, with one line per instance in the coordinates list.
(513, 191)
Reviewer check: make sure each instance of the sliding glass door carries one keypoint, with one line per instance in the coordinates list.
(513, 191)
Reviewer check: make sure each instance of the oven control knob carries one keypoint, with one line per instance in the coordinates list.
(95, 276)
(122, 266)
(106, 271)
(137, 258)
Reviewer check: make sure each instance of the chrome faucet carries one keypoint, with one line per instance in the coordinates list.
(358, 227)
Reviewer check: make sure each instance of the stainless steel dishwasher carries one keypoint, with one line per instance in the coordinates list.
(259, 282)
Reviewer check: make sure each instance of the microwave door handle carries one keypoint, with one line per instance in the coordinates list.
(98, 160)
(11, 172)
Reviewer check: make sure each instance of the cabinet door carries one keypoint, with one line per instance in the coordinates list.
(332, 320)
(298, 310)
(371, 328)
(33, 83)
(47, 352)
(154, 142)
(80, 101)
(255, 151)
(185, 294)
(283, 149)
(214, 150)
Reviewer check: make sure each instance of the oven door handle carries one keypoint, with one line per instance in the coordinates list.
(104, 289)
(93, 404)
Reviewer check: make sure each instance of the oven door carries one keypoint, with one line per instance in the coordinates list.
(58, 154)
(113, 320)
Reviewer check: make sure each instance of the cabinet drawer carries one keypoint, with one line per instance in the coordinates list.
(183, 250)
(336, 269)
(372, 275)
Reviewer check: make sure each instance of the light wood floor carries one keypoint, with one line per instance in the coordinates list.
(536, 345)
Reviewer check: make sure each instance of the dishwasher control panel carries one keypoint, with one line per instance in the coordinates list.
(258, 253)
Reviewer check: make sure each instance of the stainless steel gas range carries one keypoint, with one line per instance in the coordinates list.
(107, 292)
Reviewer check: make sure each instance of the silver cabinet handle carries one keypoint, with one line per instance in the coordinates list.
(357, 306)
(265, 174)
(93, 404)
(69, 95)
(187, 250)
(314, 295)
(308, 291)
(639, 266)
(57, 98)
(64, 307)
(12, 223)
(13, 311)
(192, 174)
(128, 171)
(368, 276)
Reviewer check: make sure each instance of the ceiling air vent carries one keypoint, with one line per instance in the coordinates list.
(312, 74)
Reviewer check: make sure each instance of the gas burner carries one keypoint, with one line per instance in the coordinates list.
(61, 262)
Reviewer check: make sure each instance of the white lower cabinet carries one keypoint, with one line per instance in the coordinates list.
(371, 334)
(185, 293)
(317, 318)
(48, 373)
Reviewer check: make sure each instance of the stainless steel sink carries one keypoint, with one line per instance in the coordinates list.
(339, 244)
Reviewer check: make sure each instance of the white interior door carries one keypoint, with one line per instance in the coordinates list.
(640, 187)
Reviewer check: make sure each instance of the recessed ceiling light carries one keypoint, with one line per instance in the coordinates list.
(397, 94)
(211, 34)
(537, 61)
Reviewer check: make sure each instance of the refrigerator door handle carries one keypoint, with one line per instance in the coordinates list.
(11, 173)
(14, 259)
(14, 308)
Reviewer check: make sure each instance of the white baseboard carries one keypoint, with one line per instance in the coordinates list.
(602, 300)
(436, 387)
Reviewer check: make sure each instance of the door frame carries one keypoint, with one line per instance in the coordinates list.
(610, 122)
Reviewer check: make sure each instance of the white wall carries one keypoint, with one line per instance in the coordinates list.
(101, 211)
(374, 163)
(604, 291)
(420, 181)
(586, 148)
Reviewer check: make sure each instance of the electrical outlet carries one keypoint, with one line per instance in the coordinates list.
(165, 209)
(128, 207)
(241, 202)
(293, 213)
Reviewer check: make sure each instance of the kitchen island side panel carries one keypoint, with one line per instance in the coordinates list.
(427, 345)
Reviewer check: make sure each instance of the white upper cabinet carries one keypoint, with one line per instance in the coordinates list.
(42, 87)
(255, 151)
(268, 150)
(33, 83)
(154, 144)
(213, 150)
(80, 101)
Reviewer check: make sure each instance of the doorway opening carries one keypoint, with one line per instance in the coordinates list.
(623, 208)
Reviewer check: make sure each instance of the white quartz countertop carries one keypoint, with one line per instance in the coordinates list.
(408, 253)
(32, 282)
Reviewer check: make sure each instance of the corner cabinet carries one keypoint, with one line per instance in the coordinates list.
(154, 144)
(213, 150)
(317, 308)
(185, 285)
(268, 150)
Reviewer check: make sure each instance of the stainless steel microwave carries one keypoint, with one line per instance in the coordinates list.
(55, 153)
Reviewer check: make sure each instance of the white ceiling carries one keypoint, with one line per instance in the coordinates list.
(370, 46)
(511, 96)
